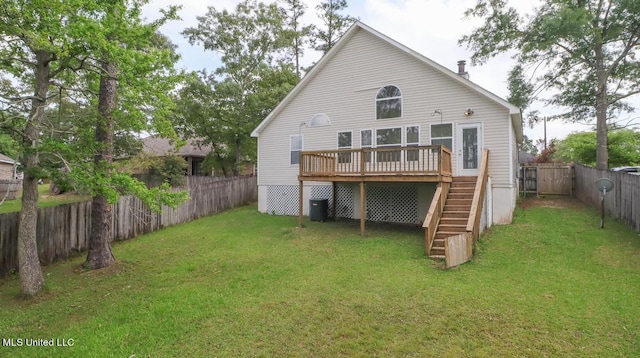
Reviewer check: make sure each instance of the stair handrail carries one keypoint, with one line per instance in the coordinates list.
(434, 214)
(473, 224)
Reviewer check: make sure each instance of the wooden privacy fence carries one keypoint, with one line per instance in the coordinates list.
(64, 229)
(622, 203)
(546, 179)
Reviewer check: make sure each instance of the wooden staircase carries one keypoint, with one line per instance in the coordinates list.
(456, 213)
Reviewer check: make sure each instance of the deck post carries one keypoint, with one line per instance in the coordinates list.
(362, 207)
(334, 186)
(300, 205)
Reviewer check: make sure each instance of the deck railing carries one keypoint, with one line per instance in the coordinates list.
(434, 214)
(473, 225)
(409, 160)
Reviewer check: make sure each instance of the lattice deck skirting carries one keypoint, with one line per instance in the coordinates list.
(282, 199)
(345, 201)
(397, 204)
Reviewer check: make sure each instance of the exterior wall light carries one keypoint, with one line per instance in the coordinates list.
(468, 112)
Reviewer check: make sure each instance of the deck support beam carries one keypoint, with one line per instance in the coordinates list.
(363, 214)
(300, 204)
(334, 186)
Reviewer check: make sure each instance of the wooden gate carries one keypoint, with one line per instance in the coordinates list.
(547, 179)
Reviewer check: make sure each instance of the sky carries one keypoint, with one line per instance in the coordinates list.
(430, 27)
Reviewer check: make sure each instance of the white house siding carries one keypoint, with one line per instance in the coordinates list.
(345, 90)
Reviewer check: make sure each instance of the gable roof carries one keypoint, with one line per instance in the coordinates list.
(7, 160)
(164, 146)
(516, 117)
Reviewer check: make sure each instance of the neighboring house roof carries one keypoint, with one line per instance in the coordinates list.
(525, 157)
(164, 146)
(516, 117)
(5, 159)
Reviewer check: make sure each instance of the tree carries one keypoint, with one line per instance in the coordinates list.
(40, 41)
(252, 79)
(335, 24)
(547, 154)
(580, 147)
(126, 50)
(297, 34)
(520, 90)
(8, 146)
(586, 49)
(528, 146)
(520, 94)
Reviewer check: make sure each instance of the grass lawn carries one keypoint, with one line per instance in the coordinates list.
(244, 284)
(45, 199)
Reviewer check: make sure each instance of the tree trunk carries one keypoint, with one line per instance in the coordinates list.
(238, 159)
(31, 280)
(602, 154)
(100, 254)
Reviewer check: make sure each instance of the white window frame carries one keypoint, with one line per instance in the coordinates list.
(344, 157)
(291, 150)
(411, 153)
(406, 143)
(452, 133)
(386, 99)
(368, 158)
(388, 145)
(338, 140)
(373, 144)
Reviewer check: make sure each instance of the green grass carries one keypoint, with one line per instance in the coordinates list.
(45, 199)
(243, 284)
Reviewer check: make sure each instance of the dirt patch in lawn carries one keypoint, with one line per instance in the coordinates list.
(550, 202)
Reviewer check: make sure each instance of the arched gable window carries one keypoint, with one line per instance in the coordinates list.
(389, 102)
(320, 120)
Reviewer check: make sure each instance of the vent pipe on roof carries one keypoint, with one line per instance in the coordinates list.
(461, 70)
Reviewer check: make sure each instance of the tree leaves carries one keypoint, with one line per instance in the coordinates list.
(584, 52)
(222, 108)
(580, 147)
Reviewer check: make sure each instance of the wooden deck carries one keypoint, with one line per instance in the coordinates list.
(388, 164)
(408, 164)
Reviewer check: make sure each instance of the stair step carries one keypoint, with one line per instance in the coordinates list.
(450, 220)
(465, 208)
(462, 185)
(465, 196)
(445, 234)
(453, 227)
(465, 179)
(437, 251)
(455, 214)
(462, 190)
(437, 257)
(455, 201)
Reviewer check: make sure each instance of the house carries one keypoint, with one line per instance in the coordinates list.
(193, 153)
(525, 157)
(386, 134)
(7, 168)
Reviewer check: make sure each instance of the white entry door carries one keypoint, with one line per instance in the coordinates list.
(469, 148)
